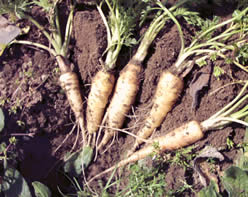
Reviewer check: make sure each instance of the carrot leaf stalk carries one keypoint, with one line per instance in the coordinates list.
(189, 132)
(226, 115)
(206, 43)
(119, 25)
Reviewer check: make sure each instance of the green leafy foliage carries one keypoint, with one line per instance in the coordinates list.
(1, 120)
(242, 54)
(13, 184)
(192, 18)
(45, 4)
(146, 182)
(210, 191)
(218, 72)
(204, 25)
(147, 11)
(235, 181)
(14, 7)
(120, 24)
(73, 163)
(41, 190)
(183, 157)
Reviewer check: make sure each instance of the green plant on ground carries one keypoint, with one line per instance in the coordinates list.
(5, 150)
(218, 72)
(145, 182)
(229, 143)
(12, 182)
(15, 8)
(182, 157)
(208, 42)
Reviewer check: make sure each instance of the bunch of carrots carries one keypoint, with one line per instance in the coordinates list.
(110, 99)
(170, 86)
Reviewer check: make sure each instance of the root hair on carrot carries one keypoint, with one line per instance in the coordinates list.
(66, 138)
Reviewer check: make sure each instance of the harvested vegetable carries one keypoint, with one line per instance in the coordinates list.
(59, 48)
(119, 28)
(190, 132)
(128, 81)
(169, 87)
(183, 65)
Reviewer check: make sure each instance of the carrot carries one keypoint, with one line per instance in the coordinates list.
(180, 137)
(167, 92)
(190, 132)
(101, 88)
(59, 48)
(70, 84)
(124, 96)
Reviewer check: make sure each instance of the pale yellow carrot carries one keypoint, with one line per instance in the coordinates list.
(101, 88)
(167, 92)
(124, 95)
(185, 135)
(70, 84)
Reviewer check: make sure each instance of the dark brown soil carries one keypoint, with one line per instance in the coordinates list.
(29, 81)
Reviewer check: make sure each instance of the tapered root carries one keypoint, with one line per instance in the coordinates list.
(123, 98)
(69, 82)
(101, 88)
(168, 90)
(185, 135)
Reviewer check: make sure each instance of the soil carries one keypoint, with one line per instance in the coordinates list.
(34, 99)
